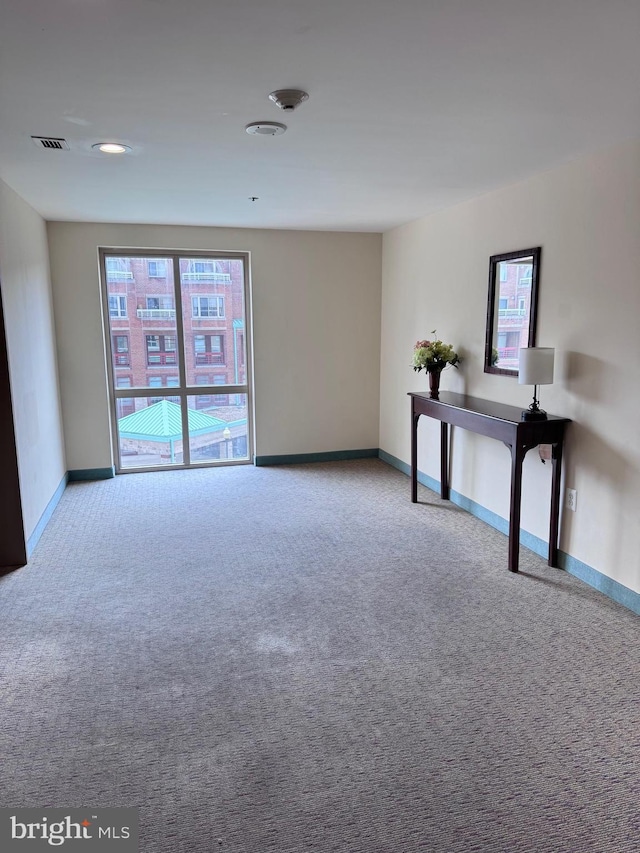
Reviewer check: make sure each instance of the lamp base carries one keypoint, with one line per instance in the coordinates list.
(534, 415)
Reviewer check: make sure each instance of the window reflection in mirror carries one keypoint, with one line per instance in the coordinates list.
(511, 309)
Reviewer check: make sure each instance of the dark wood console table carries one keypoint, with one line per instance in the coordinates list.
(504, 423)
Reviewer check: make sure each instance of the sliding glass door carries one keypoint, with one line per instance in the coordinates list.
(176, 326)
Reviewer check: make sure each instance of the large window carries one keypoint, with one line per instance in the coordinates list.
(178, 360)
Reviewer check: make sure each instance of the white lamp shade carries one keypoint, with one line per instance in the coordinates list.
(536, 366)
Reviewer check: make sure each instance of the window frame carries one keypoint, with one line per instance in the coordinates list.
(196, 306)
(242, 387)
(160, 298)
(208, 350)
(162, 261)
(122, 355)
(121, 309)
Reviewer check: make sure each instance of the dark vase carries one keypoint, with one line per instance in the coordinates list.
(434, 381)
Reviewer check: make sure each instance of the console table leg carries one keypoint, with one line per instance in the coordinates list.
(414, 456)
(444, 461)
(556, 468)
(517, 458)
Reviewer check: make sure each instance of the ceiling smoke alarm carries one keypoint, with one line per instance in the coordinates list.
(288, 99)
(266, 128)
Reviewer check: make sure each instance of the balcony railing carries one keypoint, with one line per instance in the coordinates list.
(161, 358)
(209, 358)
(206, 276)
(512, 312)
(206, 317)
(119, 275)
(156, 313)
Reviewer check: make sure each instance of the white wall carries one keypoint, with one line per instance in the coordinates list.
(586, 217)
(26, 291)
(316, 328)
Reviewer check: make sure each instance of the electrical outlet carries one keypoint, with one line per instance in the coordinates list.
(571, 499)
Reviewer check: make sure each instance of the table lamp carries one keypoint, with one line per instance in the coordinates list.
(535, 368)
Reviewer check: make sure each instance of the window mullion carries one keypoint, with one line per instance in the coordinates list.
(182, 357)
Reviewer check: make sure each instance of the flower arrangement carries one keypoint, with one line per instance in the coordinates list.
(434, 355)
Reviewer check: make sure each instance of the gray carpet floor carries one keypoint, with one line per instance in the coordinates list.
(298, 659)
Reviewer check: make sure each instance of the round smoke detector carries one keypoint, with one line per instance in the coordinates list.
(266, 128)
(288, 99)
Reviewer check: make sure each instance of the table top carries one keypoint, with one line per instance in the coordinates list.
(488, 408)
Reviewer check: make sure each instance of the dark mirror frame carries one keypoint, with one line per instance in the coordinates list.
(494, 262)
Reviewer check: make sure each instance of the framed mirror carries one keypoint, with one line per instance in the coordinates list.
(512, 309)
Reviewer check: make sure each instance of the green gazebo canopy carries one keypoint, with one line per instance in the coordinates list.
(163, 422)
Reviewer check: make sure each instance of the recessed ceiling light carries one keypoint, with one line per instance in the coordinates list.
(111, 148)
(266, 128)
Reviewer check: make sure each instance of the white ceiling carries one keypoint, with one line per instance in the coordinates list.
(413, 105)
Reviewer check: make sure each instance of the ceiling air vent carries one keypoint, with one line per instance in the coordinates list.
(50, 142)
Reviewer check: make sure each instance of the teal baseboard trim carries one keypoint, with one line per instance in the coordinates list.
(423, 479)
(533, 543)
(81, 474)
(38, 530)
(604, 584)
(330, 456)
